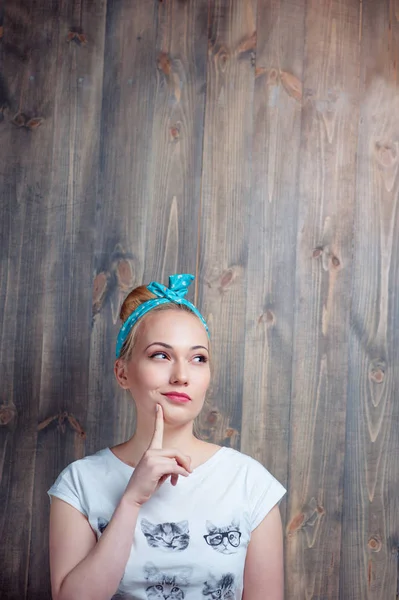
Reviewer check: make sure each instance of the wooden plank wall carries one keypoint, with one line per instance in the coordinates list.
(326, 186)
(254, 143)
(370, 544)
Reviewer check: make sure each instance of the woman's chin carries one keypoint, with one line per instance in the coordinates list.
(176, 415)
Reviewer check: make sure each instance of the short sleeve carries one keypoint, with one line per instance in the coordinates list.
(68, 487)
(265, 493)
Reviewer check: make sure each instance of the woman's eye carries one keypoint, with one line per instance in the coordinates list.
(158, 355)
(200, 358)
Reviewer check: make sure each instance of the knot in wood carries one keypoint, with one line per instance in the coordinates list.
(267, 317)
(34, 123)
(374, 544)
(78, 36)
(19, 120)
(124, 274)
(99, 288)
(377, 375)
(295, 524)
(273, 77)
(317, 252)
(164, 63)
(223, 58)
(386, 154)
(231, 432)
(248, 45)
(212, 417)
(228, 277)
(7, 414)
(175, 132)
(292, 85)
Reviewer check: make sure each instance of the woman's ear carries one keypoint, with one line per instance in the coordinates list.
(120, 371)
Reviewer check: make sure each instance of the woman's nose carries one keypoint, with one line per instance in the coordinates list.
(179, 374)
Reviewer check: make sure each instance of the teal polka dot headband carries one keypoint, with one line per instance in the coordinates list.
(178, 286)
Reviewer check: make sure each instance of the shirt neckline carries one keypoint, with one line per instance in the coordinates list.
(198, 470)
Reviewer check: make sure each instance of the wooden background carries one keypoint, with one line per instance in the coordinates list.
(254, 143)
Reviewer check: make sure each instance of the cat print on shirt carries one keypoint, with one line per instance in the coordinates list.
(225, 540)
(102, 524)
(220, 589)
(163, 586)
(173, 537)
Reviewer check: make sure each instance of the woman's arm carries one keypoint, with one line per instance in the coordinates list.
(264, 568)
(80, 567)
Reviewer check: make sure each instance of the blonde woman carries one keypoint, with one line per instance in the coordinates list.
(165, 515)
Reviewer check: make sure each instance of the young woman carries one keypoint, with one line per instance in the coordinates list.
(165, 515)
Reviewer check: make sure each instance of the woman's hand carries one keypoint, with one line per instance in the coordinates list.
(156, 465)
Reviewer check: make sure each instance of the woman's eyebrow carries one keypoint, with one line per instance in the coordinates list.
(171, 347)
(159, 344)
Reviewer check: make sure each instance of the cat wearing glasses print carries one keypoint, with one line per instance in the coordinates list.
(225, 540)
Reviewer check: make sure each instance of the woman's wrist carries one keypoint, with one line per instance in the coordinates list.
(129, 505)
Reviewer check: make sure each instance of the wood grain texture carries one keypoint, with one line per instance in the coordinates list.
(323, 275)
(67, 293)
(273, 223)
(371, 523)
(226, 202)
(28, 73)
(231, 140)
(176, 160)
(122, 212)
(155, 103)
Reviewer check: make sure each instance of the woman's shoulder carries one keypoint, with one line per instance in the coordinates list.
(92, 463)
(261, 486)
(232, 463)
(238, 458)
(85, 480)
(94, 459)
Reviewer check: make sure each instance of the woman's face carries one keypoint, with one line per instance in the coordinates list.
(169, 365)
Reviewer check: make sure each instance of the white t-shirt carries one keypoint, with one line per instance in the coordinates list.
(190, 540)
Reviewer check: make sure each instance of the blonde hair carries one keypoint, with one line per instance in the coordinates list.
(132, 301)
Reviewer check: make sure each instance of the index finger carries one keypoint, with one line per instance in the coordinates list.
(157, 438)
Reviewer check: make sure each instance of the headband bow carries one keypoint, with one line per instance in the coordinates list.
(176, 292)
(178, 288)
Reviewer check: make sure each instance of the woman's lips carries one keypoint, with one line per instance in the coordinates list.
(177, 397)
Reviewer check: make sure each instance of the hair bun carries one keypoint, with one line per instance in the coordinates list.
(133, 300)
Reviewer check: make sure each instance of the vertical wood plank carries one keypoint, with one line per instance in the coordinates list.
(76, 112)
(226, 204)
(124, 196)
(273, 226)
(323, 272)
(177, 134)
(150, 229)
(28, 73)
(371, 509)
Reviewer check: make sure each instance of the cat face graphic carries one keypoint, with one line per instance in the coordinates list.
(225, 540)
(102, 524)
(222, 589)
(165, 590)
(173, 537)
(163, 586)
